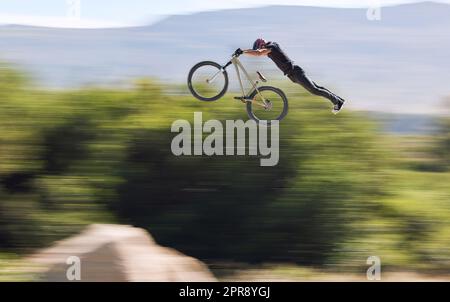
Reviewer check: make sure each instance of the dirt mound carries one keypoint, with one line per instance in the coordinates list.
(118, 253)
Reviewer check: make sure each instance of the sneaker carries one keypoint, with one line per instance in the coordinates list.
(338, 106)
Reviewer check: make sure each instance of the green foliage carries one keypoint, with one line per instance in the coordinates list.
(71, 158)
(442, 149)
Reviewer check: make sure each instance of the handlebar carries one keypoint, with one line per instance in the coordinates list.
(238, 52)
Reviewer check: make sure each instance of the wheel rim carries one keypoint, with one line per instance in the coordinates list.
(268, 105)
(208, 81)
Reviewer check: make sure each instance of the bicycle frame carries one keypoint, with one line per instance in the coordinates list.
(252, 98)
(238, 65)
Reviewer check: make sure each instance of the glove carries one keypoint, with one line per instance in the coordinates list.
(238, 52)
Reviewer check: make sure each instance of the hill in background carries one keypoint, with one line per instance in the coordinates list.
(399, 63)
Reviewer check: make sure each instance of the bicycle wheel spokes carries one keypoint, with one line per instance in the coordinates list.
(208, 82)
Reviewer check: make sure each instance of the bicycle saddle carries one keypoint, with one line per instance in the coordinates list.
(261, 77)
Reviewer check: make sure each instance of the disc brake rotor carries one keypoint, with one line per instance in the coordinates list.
(268, 105)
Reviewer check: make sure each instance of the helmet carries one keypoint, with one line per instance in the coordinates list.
(258, 43)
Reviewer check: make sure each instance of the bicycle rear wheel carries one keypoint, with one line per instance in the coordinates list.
(268, 104)
(207, 81)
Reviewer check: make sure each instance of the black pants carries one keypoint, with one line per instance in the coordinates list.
(298, 76)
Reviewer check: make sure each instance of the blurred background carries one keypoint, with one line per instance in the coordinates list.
(86, 105)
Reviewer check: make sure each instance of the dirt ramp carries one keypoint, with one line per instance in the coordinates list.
(118, 253)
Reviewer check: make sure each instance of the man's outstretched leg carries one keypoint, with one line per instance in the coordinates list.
(298, 76)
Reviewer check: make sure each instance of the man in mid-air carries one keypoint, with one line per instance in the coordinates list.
(294, 72)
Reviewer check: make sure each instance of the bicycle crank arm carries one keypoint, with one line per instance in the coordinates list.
(256, 103)
(259, 104)
(245, 100)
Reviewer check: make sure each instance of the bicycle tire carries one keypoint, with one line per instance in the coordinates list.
(199, 96)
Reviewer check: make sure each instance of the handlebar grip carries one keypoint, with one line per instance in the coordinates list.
(238, 52)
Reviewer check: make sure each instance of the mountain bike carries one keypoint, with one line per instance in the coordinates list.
(208, 81)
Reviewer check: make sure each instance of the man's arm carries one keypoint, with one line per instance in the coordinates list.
(257, 52)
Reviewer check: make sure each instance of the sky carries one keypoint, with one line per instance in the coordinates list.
(118, 13)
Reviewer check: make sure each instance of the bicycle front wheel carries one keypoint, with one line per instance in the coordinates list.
(207, 81)
(267, 104)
